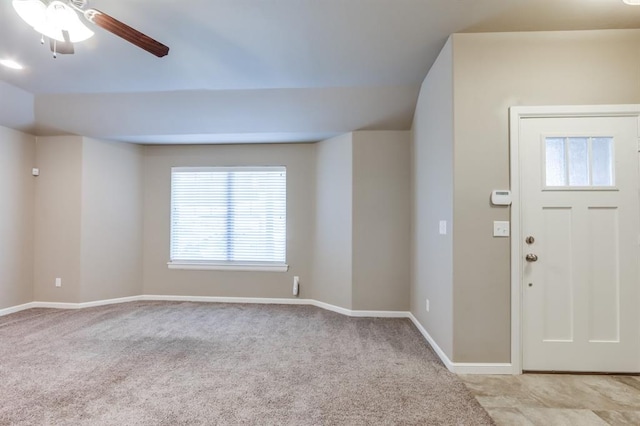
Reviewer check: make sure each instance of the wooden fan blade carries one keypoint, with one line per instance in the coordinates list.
(124, 31)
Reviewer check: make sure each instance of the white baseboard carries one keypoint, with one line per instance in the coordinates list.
(458, 368)
(18, 308)
(482, 368)
(358, 313)
(109, 301)
(443, 356)
(64, 305)
(332, 308)
(461, 367)
(277, 301)
(208, 299)
(57, 305)
(214, 299)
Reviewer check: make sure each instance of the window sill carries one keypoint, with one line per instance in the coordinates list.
(240, 267)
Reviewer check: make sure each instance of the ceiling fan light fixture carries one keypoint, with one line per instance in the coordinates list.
(59, 20)
(632, 2)
(33, 12)
(53, 20)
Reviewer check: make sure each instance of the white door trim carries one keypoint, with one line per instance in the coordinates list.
(515, 115)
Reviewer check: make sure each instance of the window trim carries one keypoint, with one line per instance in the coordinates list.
(213, 265)
(239, 267)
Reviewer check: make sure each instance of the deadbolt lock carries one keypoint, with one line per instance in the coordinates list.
(529, 240)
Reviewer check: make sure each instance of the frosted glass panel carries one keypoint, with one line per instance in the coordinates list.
(601, 151)
(556, 167)
(578, 161)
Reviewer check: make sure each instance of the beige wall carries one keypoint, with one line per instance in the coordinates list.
(381, 220)
(333, 231)
(491, 73)
(57, 218)
(112, 200)
(158, 279)
(432, 190)
(103, 220)
(88, 220)
(17, 186)
(324, 182)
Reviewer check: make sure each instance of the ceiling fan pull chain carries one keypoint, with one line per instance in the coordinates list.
(55, 45)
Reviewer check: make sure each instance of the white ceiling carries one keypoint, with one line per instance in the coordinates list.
(257, 70)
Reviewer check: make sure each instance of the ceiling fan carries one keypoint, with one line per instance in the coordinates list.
(58, 20)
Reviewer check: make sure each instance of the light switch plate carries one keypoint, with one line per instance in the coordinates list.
(500, 228)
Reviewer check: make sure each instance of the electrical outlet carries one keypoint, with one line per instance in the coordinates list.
(443, 227)
(58, 282)
(427, 305)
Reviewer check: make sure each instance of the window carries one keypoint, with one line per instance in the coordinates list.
(579, 162)
(228, 218)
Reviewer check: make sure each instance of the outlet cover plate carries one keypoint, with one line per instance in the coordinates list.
(443, 227)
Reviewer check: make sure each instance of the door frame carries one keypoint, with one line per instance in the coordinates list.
(516, 114)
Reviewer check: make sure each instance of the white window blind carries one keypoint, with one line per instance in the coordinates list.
(228, 216)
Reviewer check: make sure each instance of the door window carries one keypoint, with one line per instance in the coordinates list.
(578, 162)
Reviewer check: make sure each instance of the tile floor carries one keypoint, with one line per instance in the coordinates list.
(558, 399)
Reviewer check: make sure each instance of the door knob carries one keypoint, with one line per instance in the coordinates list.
(531, 257)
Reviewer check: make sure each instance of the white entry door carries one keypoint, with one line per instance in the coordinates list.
(580, 235)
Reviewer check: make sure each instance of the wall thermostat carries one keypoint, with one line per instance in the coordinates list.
(501, 197)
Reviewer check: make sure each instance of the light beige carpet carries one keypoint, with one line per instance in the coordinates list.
(164, 363)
